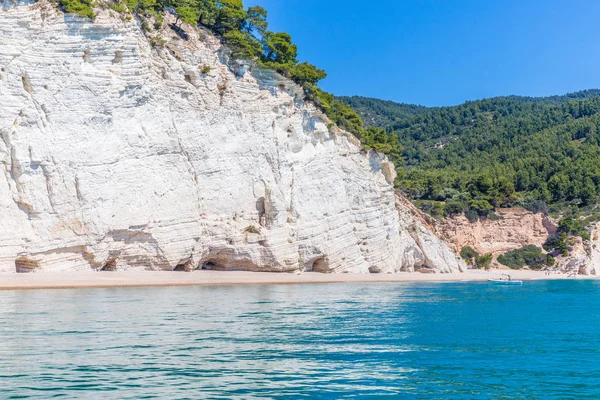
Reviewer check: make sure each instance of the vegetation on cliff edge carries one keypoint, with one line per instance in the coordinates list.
(245, 32)
(473, 258)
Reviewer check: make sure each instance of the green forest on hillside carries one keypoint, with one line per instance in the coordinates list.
(381, 113)
(542, 154)
(501, 152)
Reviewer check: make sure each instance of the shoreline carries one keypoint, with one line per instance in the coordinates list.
(91, 279)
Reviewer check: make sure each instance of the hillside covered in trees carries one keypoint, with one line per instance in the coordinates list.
(501, 152)
(381, 113)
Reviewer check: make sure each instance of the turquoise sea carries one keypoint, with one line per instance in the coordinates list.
(413, 341)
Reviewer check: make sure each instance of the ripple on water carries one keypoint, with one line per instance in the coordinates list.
(325, 341)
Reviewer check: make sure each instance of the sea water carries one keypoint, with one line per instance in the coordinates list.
(420, 340)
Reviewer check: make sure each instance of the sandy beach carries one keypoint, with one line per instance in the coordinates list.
(63, 280)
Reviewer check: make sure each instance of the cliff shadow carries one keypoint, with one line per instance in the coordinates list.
(24, 265)
(320, 264)
(110, 266)
(179, 31)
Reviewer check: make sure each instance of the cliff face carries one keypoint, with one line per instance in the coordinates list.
(584, 257)
(514, 228)
(592, 266)
(120, 155)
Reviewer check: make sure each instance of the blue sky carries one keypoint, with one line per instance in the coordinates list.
(445, 52)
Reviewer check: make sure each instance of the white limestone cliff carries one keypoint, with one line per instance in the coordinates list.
(585, 258)
(119, 155)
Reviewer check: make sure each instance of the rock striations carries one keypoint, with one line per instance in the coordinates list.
(120, 152)
(512, 229)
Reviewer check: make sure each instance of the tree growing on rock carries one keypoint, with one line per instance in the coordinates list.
(187, 14)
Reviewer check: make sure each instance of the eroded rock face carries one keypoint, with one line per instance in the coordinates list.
(578, 260)
(117, 155)
(584, 256)
(514, 228)
(592, 266)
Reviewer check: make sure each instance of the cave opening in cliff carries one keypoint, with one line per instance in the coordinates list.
(260, 207)
(184, 267)
(110, 266)
(118, 57)
(25, 265)
(319, 265)
(209, 265)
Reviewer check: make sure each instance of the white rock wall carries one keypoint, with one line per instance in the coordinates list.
(591, 264)
(118, 155)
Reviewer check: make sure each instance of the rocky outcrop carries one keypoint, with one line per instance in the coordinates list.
(578, 260)
(584, 256)
(117, 154)
(592, 253)
(512, 228)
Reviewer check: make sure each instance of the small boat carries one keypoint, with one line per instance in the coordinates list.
(505, 280)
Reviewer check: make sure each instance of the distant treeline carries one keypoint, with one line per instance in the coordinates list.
(381, 113)
(499, 152)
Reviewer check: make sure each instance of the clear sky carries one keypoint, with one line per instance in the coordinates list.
(443, 52)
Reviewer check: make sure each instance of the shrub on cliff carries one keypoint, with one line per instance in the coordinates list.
(453, 208)
(242, 44)
(530, 256)
(482, 207)
(572, 225)
(79, 7)
(187, 14)
(483, 261)
(339, 113)
(469, 254)
(558, 242)
(307, 73)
